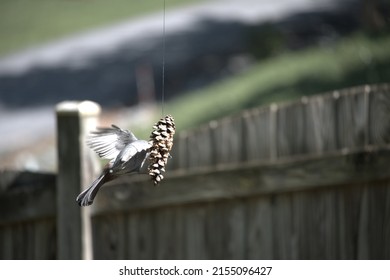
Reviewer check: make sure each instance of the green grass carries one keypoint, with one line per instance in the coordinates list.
(354, 61)
(25, 23)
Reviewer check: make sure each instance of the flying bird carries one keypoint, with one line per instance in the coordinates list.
(126, 153)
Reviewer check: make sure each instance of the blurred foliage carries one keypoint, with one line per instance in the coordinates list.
(357, 60)
(265, 40)
(24, 23)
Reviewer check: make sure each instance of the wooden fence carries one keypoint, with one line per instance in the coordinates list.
(28, 216)
(301, 180)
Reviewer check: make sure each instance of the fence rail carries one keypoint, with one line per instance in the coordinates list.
(300, 180)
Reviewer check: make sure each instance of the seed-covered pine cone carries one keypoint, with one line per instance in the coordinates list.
(162, 142)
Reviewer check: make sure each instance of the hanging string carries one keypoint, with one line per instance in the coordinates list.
(163, 64)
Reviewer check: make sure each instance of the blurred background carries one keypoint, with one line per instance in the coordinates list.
(221, 56)
(297, 180)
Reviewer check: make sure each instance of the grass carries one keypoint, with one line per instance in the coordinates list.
(25, 23)
(353, 61)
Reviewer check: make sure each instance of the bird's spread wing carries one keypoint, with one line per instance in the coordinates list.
(109, 142)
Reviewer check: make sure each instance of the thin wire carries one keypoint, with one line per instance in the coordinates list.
(163, 64)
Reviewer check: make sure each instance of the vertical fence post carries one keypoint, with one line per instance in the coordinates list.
(76, 168)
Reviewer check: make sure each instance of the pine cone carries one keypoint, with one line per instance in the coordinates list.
(161, 140)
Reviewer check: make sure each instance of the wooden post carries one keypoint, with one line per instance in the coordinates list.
(76, 168)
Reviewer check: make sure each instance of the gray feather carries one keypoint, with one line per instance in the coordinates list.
(109, 142)
(131, 158)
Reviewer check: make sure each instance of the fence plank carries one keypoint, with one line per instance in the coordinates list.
(372, 221)
(259, 134)
(110, 237)
(235, 215)
(142, 235)
(320, 125)
(169, 233)
(329, 225)
(29, 237)
(194, 225)
(282, 224)
(299, 223)
(316, 236)
(18, 241)
(180, 150)
(194, 150)
(199, 148)
(45, 240)
(386, 230)
(349, 222)
(214, 232)
(379, 114)
(7, 243)
(228, 140)
(260, 230)
(132, 236)
(291, 133)
(352, 119)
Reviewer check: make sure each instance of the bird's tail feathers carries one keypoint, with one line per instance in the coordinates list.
(87, 196)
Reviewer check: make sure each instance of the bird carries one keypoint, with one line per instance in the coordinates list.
(126, 153)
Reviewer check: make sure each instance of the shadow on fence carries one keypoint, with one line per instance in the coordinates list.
(302, 180)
